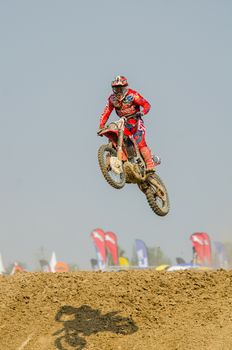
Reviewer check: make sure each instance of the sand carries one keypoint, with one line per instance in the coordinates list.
(126, 310)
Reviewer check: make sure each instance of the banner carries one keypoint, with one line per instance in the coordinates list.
(123, 261)
(112, 245)
(221, 259)
(207, 252)
(141, 251)
(53, 262)
(98, 237)
(202, 248)
(2, 268)
(17, 268)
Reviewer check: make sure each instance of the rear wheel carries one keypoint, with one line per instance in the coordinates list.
(116, 180)
(157, 195)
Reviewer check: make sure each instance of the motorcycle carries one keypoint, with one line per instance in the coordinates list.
(120, 162)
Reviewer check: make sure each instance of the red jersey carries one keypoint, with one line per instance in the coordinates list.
(129, 106)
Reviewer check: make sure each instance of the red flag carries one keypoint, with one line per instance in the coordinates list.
(17, 268)
(98, 237)
(112, 245)
(202, 247)
(207, 246)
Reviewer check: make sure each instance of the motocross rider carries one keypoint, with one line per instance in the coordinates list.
(127, 103)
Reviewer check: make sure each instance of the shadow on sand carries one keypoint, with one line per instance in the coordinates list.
(83, 321)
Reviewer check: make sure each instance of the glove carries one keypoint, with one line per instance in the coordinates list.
(100, 129)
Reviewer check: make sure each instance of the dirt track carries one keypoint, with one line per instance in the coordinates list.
(116, 310)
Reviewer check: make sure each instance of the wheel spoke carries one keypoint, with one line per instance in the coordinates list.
(157, 197)
(115, 177)
(105, 153)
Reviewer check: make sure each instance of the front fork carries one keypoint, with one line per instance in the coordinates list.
(119, 145)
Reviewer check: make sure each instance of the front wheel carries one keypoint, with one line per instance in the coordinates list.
(157, 195)
(116, 180)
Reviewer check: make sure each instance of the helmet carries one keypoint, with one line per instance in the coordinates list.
(119, 81)
(119, 85)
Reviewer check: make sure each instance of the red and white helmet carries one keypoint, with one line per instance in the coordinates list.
(119, 81)
(119, 86)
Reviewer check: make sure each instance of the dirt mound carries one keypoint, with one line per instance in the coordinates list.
(137, 310)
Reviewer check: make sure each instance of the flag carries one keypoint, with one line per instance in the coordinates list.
(53, 262)
(141, 251)
(112, 246)
(17, 268)
(2, 268)
(98, 237)
(202, 248)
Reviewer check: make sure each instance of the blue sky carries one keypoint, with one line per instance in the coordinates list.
(56, 65)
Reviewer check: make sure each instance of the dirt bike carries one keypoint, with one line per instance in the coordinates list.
(121, 162)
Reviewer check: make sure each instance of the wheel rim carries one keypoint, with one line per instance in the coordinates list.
(159, 198)
(117, 178)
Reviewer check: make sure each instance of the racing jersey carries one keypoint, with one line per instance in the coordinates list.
(128, 106)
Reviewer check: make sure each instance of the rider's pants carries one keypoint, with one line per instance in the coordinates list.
(137, 129)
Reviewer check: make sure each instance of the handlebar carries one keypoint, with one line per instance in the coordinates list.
(124, 118)
(99, 131)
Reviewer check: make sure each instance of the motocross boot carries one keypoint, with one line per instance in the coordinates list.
(148, 159)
